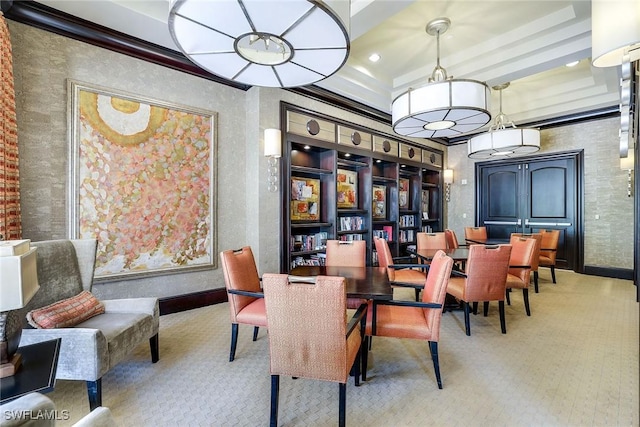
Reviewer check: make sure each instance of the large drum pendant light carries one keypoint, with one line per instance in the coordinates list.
(444, 107)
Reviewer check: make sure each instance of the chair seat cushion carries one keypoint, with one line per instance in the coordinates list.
(410, 276)
(455, 287)
(544, 260)
(67, 312)
(399, 322)
(515, 282)
(253, 313)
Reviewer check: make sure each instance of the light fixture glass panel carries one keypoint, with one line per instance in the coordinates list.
(505, 138)
(466, 127)
(416, 132)
(275, 17)
(474, 118)
(318, 30)
(469, 94)
(195, 38)
(431, 116)
(294, 75)
(446, 133)
(324, 61)
(227, 65)
(531, 136)
(410, 122)
(615, 25)
(225, 16)
(480, 142)
(261, 75)
(430, 97)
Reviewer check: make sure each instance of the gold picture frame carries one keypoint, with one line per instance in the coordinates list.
(347, 189)
(379, 208)
(305, 199)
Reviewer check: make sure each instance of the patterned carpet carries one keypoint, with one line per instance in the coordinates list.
(574, 362)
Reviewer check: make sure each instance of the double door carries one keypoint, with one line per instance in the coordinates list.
(526, 196)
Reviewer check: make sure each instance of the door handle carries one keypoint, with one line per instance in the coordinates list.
(550, 224)
(501, 222)
(519, 222)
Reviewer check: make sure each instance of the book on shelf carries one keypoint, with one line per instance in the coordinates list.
(348, 223)
(309, 242)
(14, 247)
(351, 237)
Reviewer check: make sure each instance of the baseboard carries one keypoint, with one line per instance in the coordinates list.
(186, 302)
(616, 273)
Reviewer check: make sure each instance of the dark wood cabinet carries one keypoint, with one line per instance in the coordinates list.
(341, 181)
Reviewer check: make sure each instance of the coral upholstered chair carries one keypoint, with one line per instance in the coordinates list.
(523, 251)
(309, 336)
(416, 320)
(246, 301)
(452, 239)
(484, 280)
(399, 274)
(351, 253)
(535, 262)
(475, 233)
(431, 241)
(548, 250)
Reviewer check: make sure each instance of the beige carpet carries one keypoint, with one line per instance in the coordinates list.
(574, 362)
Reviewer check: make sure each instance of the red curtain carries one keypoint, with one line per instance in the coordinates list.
(10, 226)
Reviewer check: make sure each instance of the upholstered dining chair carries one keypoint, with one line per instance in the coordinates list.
(431, 240)
(352, 253)
(484, 280)
(406, 275)
(246, 300)
(309, 336)
(536, 256)
(548, 250)
(523, 250)
(452, 239)
(415, 320)
(475, 233)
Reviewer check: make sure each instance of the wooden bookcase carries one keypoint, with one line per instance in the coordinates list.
(345, 182)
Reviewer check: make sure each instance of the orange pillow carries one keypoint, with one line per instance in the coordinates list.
(66, 313)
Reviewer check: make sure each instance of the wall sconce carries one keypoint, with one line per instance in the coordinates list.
(448, 180)
(628, 164)
(273, 151)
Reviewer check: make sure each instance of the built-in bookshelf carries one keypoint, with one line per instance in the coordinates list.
(344, 182)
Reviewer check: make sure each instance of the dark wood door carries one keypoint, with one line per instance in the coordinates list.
(527, 195)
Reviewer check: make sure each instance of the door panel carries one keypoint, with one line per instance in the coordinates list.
(526, 196)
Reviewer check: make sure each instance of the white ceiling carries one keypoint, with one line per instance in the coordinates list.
(523, 42)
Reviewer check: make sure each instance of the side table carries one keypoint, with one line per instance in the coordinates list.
(37, 372)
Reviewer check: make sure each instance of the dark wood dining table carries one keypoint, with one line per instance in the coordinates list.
(362, 282)
(488, 241)
(458, 254)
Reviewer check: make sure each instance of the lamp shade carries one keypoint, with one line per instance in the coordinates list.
(272, 143)
(615, 26)
(18, 280)
(448, 176)
(504, 143)
(270, 43)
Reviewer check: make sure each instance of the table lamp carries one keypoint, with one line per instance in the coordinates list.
(18, 284)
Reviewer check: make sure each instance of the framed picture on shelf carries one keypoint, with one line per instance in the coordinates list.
(347, 189)
(305, 199)
(379, 201)
(425, 204)
(403, 193)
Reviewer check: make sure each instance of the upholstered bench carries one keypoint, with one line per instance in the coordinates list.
(92, 347)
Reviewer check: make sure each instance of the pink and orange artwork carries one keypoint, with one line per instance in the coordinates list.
(144, 182)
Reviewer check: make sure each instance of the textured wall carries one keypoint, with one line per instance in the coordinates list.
(609, 240)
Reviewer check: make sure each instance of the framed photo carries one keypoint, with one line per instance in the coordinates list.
(403, 193)
(305, 199)
(347, 189)
(379, 202)
(425, 204)
(142, 182)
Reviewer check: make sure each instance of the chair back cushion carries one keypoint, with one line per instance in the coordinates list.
(435, 290)
(452, 239)
(240, 273)
(522, 253)
(487, 268)
(307, 328)
(536, 250)
(550, 240)
(431, 241)
(384, 256)
(352, 253)
(475, 233)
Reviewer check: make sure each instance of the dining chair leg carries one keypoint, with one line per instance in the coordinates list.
(356, 368)
(418, 294)
(503, 322)
(365, 356)
(234, 341)
(343, 405)
(255, 332)
(535, 281)
(433, 349)
(486, 308)
(553, 274)
(467, 328)
(475, 307)
(275, 391)
(508, 297)
(525, 296)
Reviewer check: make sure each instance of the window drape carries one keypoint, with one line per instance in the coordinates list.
(10, 224)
